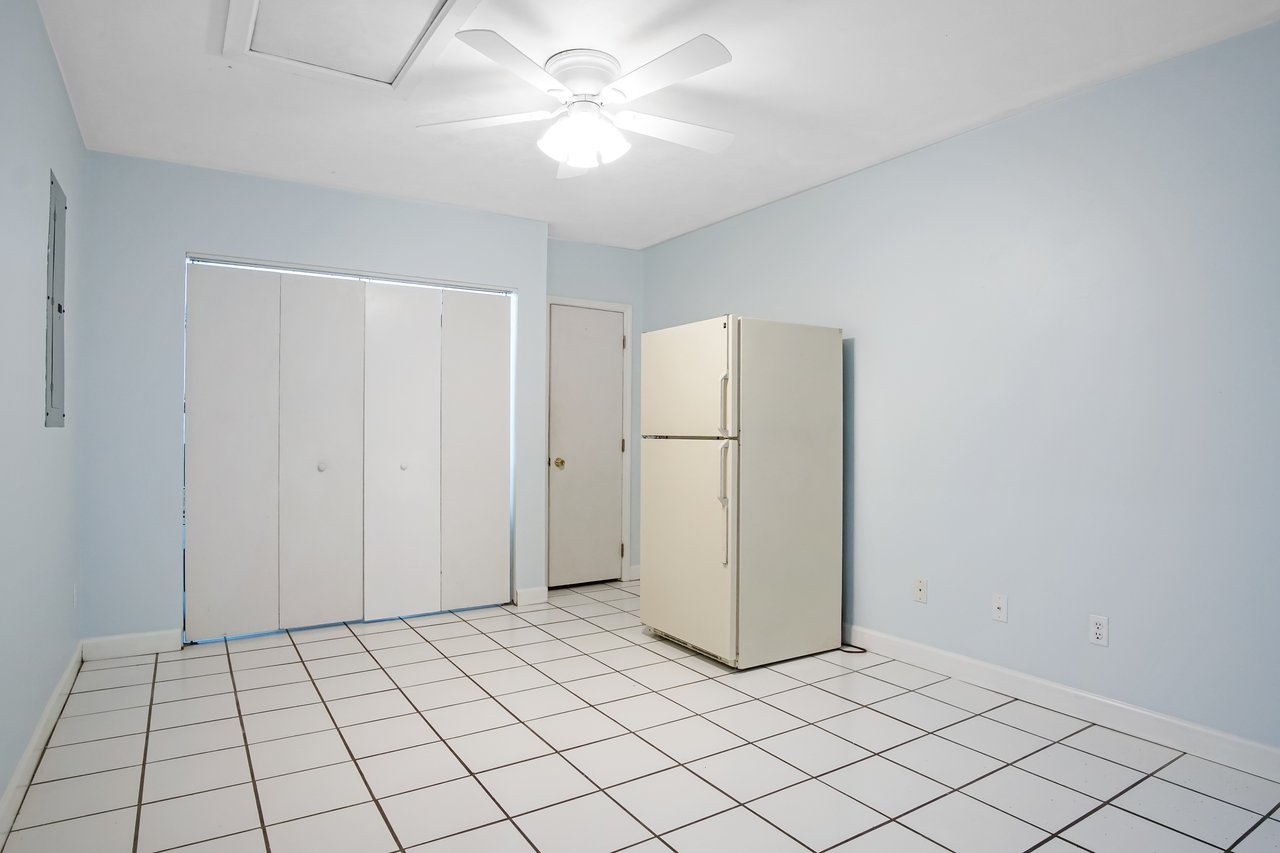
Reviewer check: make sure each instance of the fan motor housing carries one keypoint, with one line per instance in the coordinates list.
(583, 71)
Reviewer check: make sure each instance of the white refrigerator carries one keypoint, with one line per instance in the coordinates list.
(741, 488)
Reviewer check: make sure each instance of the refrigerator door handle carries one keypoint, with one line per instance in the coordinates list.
(724, 469)
(724, 496)
(724, 404)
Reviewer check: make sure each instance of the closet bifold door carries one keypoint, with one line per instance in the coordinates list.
(232, 451)
(402, 450)
(321, 450)
(475, 449)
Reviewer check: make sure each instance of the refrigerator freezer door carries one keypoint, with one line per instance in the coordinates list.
(688, 380)
(688, 501)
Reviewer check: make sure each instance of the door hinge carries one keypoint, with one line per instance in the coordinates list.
(624, 445)
(624, 341)
(622, 550)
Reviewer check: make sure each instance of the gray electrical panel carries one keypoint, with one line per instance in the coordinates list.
(54, 414)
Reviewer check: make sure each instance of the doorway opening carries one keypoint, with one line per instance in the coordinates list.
(589, 442)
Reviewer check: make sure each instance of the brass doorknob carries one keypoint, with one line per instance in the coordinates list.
(559, 462)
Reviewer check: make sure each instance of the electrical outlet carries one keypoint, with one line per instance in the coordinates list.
(920, 591)
(1099, 630)
(1000, 607)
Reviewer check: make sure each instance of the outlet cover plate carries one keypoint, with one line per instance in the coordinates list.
(920, 591)
(1099, 630)
(1000, 607)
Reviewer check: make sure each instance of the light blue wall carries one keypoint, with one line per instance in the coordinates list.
(1065, 353)
(605, 274)
(38, 631)
(146, 218)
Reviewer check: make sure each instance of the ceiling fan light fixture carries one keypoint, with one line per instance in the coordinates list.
(584, 138)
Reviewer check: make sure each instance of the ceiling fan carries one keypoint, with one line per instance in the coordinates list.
(589, 84)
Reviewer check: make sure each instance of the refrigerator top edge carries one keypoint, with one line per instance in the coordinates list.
(739, 318)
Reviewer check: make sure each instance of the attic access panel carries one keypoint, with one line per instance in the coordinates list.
(376, 42)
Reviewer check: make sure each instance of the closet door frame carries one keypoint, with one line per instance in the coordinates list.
(444, 286)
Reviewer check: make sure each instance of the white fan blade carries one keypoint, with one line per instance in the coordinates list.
(691, 58)
(567, 171)
(706, 139)
(487, 121)
(501, 51)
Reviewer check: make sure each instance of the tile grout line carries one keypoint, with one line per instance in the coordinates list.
(960, 790)
(764, 700)
(678, 763)
(43, 749)
(602, 664)
(1110, 801)
(628, 730)
(702, 716)
(1251, 830)
(925, 733)
(248, 756)
(554, 750)
(704, 677)
(360, 770)
(441, 739)
(142, 770)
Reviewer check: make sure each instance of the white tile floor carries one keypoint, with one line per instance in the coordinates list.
(567, 727)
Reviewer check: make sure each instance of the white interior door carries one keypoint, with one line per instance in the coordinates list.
(402, 450)
(321, 450)
(232, 451)
(585, 439)
(475, 449)
(687, 383)
(688, 505)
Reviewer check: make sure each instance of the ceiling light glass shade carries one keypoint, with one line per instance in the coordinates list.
(584, 138)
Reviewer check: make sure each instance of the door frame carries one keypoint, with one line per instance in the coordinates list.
(364, 277)
(627, 367)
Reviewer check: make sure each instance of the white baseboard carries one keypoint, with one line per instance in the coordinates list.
(26, 767)
(532, 595)
(631, 572)
(1251, 756)
(125, 645)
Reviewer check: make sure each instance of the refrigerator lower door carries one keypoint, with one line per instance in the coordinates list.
(688, 542)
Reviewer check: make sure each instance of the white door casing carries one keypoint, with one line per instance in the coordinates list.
(321, 450)
(475, 449)
(232, 451)
(401, 450)
(586, 432)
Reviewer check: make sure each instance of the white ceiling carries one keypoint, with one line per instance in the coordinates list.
(817, 89)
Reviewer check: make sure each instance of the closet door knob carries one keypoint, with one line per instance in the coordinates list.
(321, 467)
(404, 466)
